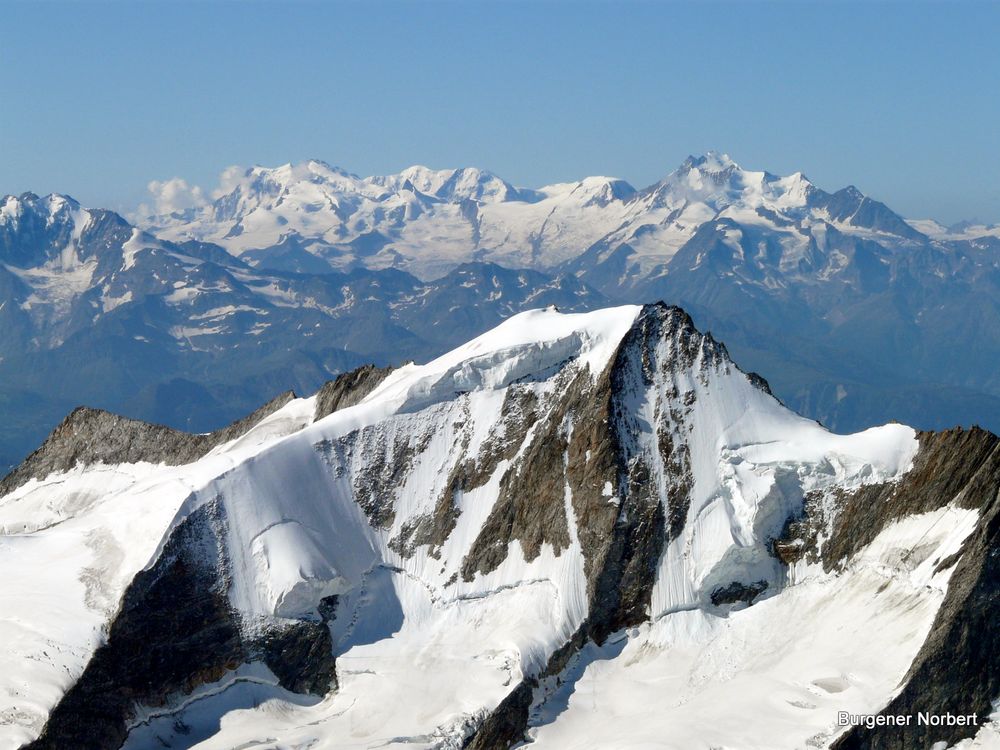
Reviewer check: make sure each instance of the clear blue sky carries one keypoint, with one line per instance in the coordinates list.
(901, 99)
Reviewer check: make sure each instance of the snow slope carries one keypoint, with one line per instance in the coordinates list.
(428, 221)
(966, 230)
(70, 544)
(425, 221)
(453, 586)
(773, 675)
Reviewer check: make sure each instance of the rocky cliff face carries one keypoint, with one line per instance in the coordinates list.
(93, 436)
(175, 632)
(471, 552)
(957, 670)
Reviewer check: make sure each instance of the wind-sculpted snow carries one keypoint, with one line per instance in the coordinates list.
(743, 464)
(494, 370)
(571, 529)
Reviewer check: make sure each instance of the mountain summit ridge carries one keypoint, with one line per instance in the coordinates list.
(470, 551)
(326, 209)
(887, 319)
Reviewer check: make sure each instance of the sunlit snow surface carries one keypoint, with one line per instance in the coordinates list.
(429, 221)
(424, 655)
(770, 676)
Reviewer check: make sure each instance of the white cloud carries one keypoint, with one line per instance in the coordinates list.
(228, 180)
(177, 194)
(174, 194)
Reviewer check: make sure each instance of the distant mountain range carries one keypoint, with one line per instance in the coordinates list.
(856, 315)
(312, 216)
(95, 311)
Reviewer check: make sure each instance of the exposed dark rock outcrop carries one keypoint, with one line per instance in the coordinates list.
(800, 537)
(760, 382)
(348, 389)
(949, 466)
(175, 631)
(532, 497)
(431, 529)
(506, 723)
(517, 414)
(390, 459)
(957, 670)
(621, 541)
(662, 342)
(300, 655)
(90, 436)
(737, 592)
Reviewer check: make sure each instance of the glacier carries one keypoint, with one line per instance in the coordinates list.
(580, 530)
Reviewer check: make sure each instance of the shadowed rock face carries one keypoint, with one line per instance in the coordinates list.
(507, 722)
(176, 631)
(737, 592)
(957, 670)
(622, 543)
(90, 436)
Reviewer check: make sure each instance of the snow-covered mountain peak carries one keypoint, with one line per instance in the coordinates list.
(660, 382)
(718, 182)
(294, 179)
(590, 192)
(302, 217)
(310, 169)
(527, 346)
(50, 207)
(319, 166)
(467, 183)
(455, 185)
(45, 230)
(963, 230)
(709, 162)
(455, 552)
